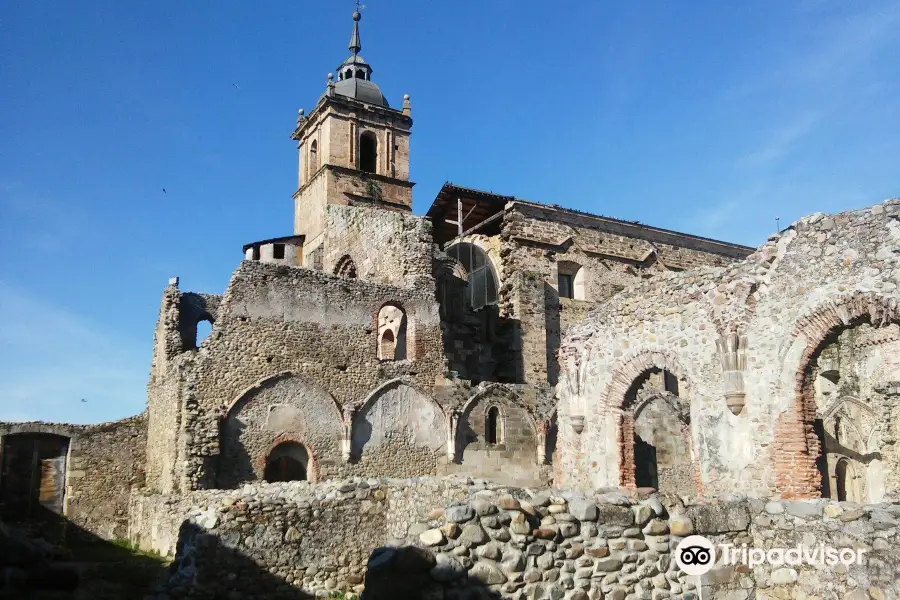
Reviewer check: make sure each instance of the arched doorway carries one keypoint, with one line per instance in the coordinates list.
(288, 461)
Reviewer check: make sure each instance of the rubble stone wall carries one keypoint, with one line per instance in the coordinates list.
(514, 542)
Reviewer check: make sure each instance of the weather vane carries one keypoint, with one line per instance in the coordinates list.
(359, 6)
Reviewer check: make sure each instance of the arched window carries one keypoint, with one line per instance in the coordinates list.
(570, 280)
(480, 274)
(345, 267)
(493, 426)
(313, 157)
(391, 333)
(348, 74)
(288, 461)
(360, 74)
(368, 152)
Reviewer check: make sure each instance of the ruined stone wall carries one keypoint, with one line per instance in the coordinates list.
(386, 247)
(290, 322)
(102, 465)
(276, 539)
(769, 314)
(602, 257)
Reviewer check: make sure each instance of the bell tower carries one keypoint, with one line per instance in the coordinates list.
(354, 148)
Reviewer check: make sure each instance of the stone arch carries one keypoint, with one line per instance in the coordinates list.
(797, 447)
(511, 459)
(398, 432)
(345, 267)
(622, 397)
(312, 464)
(282, 407)
(393, 332)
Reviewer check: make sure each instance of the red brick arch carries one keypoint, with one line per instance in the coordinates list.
(796, 446)
(312, 470)
(615, 398)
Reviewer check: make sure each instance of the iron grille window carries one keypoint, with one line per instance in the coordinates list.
(565, 286)
(482, 288)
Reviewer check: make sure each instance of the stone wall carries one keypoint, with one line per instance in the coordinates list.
(744, 341)
(277, 540)
(386, 247)
(603, 257)
(102, 464)
(280, 322)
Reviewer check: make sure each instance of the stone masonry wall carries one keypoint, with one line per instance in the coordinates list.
(104, 462)
(540, 240)
(770, 315)
(278, 539)
(386, 247)
(276, 321)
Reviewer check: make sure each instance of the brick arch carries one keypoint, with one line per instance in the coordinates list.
(616, 397)
(628, 371)
(796, 445)
(346, 267)
(312, 468)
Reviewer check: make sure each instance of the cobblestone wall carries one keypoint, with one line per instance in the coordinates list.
(744, 340)
(274, 540)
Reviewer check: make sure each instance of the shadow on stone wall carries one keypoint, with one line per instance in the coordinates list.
(44, 555)
(207, 566)
(411, 573)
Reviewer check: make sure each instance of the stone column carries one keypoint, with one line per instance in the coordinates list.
(543, 426)
(733, 356)
(451, 436)
(347, 433)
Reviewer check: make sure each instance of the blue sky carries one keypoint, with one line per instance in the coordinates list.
(704, 116)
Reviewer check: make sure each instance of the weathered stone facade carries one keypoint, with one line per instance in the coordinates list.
(749, 345)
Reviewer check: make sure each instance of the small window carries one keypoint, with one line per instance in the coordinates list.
(571, 280)
(492, 432)
(255, 253)
(348, 74)
(566, 289)
(277, 251)
(313, 157)
(360, 74)
(368, 152)
(482, 282)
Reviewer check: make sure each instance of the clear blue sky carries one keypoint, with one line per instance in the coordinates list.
(704, 116)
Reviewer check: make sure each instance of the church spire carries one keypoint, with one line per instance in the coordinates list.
(355, 44)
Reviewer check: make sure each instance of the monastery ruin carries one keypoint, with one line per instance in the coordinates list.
(414, 370)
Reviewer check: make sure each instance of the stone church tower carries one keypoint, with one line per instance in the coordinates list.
(354, 150)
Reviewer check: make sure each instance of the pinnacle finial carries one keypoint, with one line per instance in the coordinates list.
(355, 44)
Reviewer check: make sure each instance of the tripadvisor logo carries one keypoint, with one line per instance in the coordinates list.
(696, 555)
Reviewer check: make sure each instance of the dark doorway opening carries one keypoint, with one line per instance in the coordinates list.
(287, 462)
(34, 472)
(822, 459)
(645, 467)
